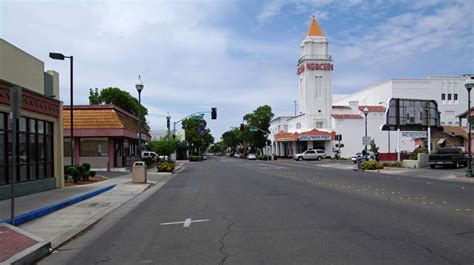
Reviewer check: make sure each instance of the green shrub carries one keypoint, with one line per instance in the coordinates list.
(81, 170)
(74, 173)
(371, 165)
(148, 161)
(87, 166)
(92, 173)
(166, 166)
(85, 176)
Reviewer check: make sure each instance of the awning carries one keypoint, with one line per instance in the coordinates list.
(441, 140)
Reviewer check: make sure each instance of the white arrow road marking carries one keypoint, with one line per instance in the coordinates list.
(187, 222)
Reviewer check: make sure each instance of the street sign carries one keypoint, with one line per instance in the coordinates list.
(202, 129)
(197, 117)
(366, 140)
(314, 137)
(253, 129)
(415, 134)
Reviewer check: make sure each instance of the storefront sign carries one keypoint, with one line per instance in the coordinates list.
(415, 134)
(315, 67)
(314, 137)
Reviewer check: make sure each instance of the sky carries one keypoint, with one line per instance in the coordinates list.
(236, 55)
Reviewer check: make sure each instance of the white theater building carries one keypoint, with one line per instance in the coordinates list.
(322, 116)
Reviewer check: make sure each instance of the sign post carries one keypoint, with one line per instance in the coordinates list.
(15, 103)
(366, 140)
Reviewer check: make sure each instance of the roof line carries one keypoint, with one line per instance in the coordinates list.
(105, 106)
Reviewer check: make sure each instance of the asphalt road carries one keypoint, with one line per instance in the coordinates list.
(285, 212)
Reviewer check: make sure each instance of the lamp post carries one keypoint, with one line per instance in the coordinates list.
(60, 56)
(139, 86)
(366, 112)
(469, 84)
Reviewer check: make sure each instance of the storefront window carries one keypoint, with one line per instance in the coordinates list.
(35, 149)
(94, 147)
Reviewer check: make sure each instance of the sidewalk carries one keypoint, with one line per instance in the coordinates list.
(54, 229)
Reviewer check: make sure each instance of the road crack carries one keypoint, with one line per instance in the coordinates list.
(433, 253)
(222, 240)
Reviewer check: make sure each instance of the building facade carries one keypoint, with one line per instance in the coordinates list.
(323, 115)
(105, 136)
(39, 158)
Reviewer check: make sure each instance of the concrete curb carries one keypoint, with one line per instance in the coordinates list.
(23, 218)
(91, 221)
(31, 254)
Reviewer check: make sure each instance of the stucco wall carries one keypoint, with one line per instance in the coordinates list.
(20, 68)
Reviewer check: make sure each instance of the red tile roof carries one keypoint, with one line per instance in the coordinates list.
(373, 108)
(100, 117)
(346, 116)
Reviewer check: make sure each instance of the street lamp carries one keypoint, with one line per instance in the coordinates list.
(60, 56)
(366, 112)
(139, 86)
(469, 84)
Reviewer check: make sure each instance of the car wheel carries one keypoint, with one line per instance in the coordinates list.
(319, 158)
(432, 166)
(300, 158)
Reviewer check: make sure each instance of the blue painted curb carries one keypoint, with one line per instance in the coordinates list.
(23, 218)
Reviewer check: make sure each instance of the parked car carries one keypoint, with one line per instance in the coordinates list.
(151, 154)
(252, 156)
(355, 157)
(447, 157)
(311, 154)
(360, 156)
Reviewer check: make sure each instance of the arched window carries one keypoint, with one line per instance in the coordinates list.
(298, 125)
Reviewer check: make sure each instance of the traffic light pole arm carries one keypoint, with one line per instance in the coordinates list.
(192, 114)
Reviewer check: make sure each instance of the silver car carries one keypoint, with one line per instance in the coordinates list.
(312, 154)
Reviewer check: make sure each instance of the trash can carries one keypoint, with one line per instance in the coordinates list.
(139, 172)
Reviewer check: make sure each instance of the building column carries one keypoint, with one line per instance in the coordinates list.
(77, 146)
(294, 151)
(111, 153)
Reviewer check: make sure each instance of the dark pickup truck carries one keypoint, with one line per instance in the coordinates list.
(447, 157)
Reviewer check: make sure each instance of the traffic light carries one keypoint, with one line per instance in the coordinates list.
(168, 122)
(213, 113)
(339, 137)
(269, 142)
(242, 127)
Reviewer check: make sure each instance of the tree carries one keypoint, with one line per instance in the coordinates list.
(231, 139)
(375, 150)
(164, 146)
(194, 138)
(120, 98)
(218, 147)
(260, 118)
(94, 97)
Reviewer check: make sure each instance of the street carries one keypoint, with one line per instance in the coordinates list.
(234, 211)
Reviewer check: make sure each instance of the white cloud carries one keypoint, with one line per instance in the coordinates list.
(270, 9)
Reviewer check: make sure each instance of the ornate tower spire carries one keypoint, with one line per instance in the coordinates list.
(314, 29)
